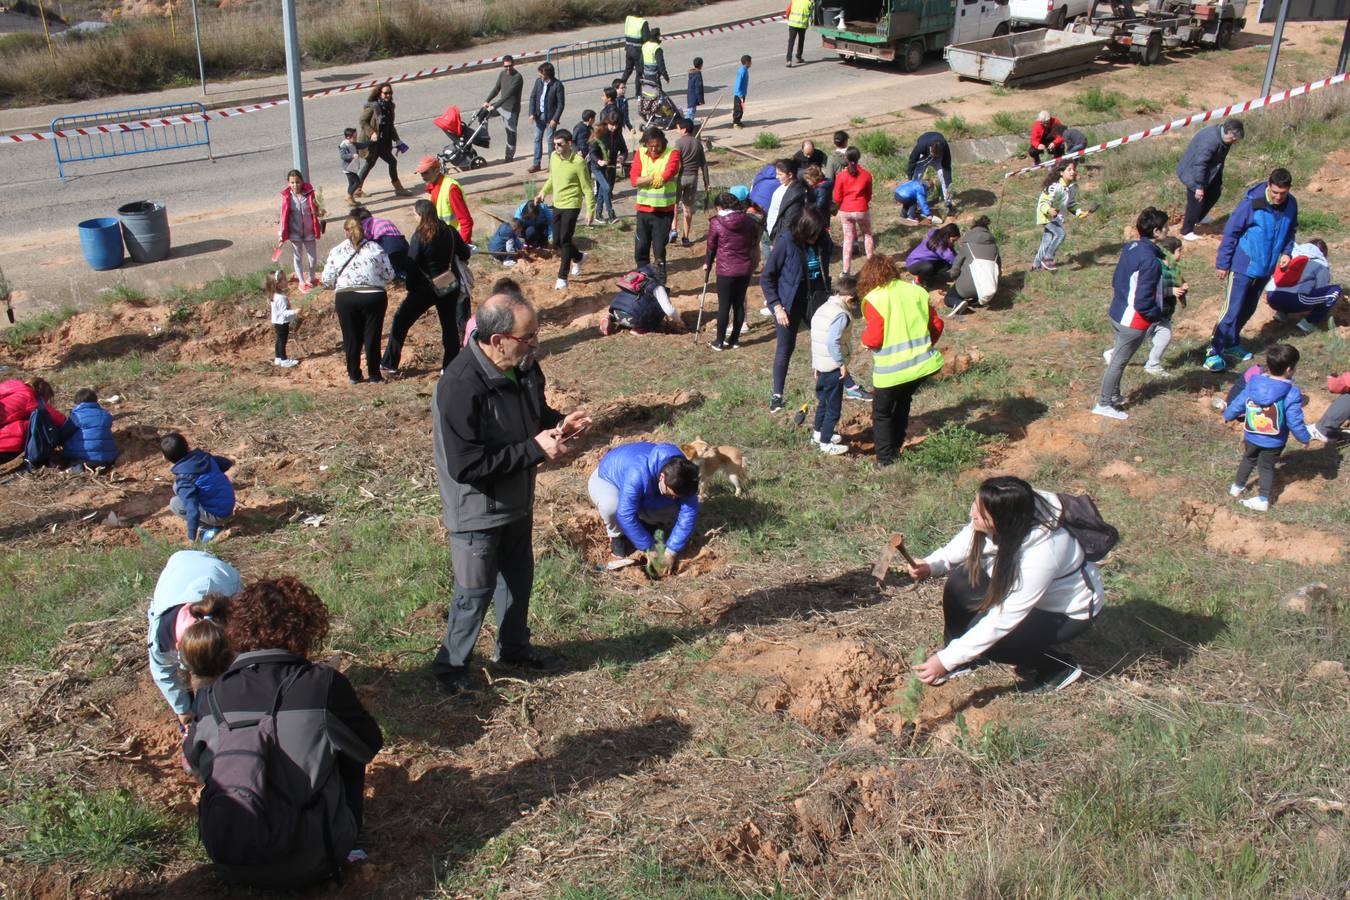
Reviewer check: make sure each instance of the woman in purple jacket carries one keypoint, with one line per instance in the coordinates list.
(733, 241)
(934, 255)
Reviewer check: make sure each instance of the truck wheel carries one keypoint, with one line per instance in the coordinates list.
(913, 58)
(1152, 50)
(1060, 19)
(1223, 39)
(1002, 30)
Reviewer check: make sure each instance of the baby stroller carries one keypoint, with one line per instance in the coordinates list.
(462, 152)
(658, 110)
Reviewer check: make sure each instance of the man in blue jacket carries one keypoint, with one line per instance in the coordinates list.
(1258, 237)
(1201, 171)
(641, 486)
(1136, 304)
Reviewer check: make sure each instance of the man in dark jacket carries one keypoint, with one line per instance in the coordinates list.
(547, 101)
(1201, 171)
(507, 92)
(931, 151)
(491, 427)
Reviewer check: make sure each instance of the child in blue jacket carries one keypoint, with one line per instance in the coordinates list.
(88, 434)
(913, 197)
(508, 239)
(693, 92)
(1271, 407)
(202, 492)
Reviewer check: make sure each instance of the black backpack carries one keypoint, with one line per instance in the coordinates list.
(43, 437)
(1078, 515)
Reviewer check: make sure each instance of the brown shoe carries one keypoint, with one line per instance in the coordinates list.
(532, 169)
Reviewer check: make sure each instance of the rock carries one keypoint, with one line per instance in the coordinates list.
(1305, 598)
(1328, 670)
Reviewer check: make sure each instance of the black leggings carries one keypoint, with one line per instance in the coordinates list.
(409, 311)
(1262, 459)
(890, 417)
(378, 151)
(731, 300)
(1027, 645)
(799, 36)
(564, 232)
(930, 270)
(283, 331)
(361, 316)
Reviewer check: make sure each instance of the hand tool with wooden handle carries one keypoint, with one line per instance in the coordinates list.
(896, 544)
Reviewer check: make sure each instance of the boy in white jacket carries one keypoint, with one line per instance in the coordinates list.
(829, 358)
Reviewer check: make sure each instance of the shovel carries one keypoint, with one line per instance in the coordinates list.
(703, 296)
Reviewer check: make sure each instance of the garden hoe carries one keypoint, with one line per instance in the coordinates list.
(896, 543)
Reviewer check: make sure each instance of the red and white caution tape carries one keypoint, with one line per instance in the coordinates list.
(92, 130)
(1222, 112)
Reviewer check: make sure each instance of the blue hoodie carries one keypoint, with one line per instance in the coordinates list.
(1270, 410)
(635, 470)
(505, 239)
(915, 192)
(762, 188)
(91, 437)
(1257, 234)
(200, 482)
(1136, 287)
(188, 576)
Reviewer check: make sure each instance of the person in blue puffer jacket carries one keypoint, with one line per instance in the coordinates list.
(1271, 408)
(642, 486)
(202, 492)
(88, 437)
(1258, 237)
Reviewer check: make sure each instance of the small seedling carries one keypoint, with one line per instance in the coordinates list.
(658, 561)
(907, 706)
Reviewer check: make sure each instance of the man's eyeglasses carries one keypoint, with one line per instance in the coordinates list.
(531, 338)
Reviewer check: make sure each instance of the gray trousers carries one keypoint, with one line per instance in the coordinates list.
(496, 564)
(1336, 415)
(605, 496)
(203, 517)
(1127, 342)
(510, 119)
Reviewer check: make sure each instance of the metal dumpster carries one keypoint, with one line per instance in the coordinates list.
(1024, 56)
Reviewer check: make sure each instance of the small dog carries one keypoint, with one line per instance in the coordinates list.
(712, 460)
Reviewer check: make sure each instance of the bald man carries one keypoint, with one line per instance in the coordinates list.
(491, 428)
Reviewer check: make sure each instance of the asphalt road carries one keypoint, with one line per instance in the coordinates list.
(223, 213)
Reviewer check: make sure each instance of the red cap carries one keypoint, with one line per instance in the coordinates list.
(426, 163)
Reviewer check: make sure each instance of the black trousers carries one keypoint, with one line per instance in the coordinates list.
(653, 232)
(1263, 460)
(786, 343)
(798, 35)
(632, 63)
(929, 271)
(1028, 645)
(378, 151)
(731, 302)
(564, 231)
(737, 110)
(361, 316)
(353, 776)
(1198, 209)
(282, 332)
(890, 417)
(409, 311)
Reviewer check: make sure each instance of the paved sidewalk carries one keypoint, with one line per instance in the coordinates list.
(259, 90)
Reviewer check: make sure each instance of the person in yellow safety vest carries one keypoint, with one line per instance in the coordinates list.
(655, 173)
(448, 196)
(798, 18)
(901, 331)
(635, 34)
(653, 64)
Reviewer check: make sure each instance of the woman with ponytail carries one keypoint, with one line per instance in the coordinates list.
(1018, 585)
(853, 195)
(203, 649)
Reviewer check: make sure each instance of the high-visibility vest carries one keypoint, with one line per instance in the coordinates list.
(799, 14)
(907, 352)
(444, 211)
(651, 69)
(656, 197)
(635, 29)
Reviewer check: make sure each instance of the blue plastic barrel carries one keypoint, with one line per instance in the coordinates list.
(145, 228)
(101, 240)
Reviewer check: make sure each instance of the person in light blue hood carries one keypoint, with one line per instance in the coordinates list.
(641, 486)
(1303, 287)
(188, 577)
(1259, 237)
(1271, 408)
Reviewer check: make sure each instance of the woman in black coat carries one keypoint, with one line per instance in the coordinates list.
(377, 126)
(435, 249)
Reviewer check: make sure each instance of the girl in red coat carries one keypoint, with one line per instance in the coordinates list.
(301, 224)
(17, 402)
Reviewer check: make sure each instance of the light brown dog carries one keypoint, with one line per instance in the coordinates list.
(712, 460)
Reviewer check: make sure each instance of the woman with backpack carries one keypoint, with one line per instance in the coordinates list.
(18, 400)
(289, 734)
(1019, 583)
(434, 259)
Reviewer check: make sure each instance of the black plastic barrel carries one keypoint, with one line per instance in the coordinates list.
(145, 227)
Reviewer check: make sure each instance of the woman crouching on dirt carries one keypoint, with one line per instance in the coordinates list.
(308, 727)
(1018, 584)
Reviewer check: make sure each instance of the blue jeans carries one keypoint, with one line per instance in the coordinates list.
(1241, 295)
(604, 193)
(829, 403)
(1051, 238)
(1317, 304)
(543, 134)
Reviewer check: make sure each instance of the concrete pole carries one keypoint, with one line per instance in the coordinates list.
(197, 35)
(299, 147)
(1275, 48)
(1345, 49)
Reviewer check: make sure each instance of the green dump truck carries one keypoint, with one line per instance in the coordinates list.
(907, 30)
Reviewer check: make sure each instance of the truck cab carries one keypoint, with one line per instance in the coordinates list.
(907, 30)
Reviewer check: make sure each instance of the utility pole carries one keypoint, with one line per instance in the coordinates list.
(1275, 48)
(299, 149)
(197, 35)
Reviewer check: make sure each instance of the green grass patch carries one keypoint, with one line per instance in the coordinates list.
(99, 830)
(953, 126)
(1008, 123)
(266, 404)
(767, 140)
(951, 448)
(1096, 100)
(877, 143)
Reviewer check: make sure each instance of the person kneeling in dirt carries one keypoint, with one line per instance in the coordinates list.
(1018, 584)
(640, 487)
(642, 305)
(289, 735)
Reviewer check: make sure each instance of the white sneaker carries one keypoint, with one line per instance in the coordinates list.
(1109, 412)
(1235, 490)
(1257, 504)
(1317, 434)
(1190, 236)
(764, 311)
(833, 449)
(286, 363)
(834, 439)
(560, 284)
(1159, 371)
(576, 266)
(1107, 354)
(508, 263)
(745, 326)
(1305, 326)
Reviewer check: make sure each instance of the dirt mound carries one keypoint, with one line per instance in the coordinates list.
(1258, 538)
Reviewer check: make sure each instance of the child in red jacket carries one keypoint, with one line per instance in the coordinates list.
(301, 224)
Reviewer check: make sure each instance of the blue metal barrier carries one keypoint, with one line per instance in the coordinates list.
(106, 134)
(588, 59)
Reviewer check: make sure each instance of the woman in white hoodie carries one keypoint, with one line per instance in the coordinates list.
(1018, 585)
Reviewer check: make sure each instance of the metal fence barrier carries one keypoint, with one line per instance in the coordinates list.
(588, 59)
(101, 135)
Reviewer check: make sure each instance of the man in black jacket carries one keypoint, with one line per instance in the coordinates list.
(547, 101)
(510, 85)
(491, 427)
(931, 151)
